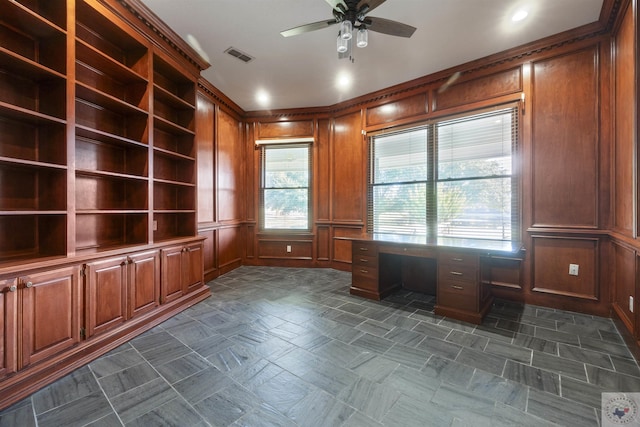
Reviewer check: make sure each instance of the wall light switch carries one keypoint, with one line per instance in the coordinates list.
(573, 269)
(155, 225)
(288, 248)
(630, 303)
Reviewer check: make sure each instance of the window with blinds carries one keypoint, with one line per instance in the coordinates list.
(449, 178)
(285, 186)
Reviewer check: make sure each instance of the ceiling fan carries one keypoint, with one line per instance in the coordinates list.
(352, 17)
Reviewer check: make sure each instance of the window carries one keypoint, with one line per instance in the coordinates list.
(285, 186)
(449, 178)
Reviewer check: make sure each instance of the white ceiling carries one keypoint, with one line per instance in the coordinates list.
(301, 71)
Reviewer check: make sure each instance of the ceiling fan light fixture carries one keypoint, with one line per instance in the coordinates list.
(345, 29)
(342, 44)
(362, 37)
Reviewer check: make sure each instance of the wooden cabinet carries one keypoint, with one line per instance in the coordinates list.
(8, 326)
(460, 293)
(40, 312)
(182, 270)
(50, 313)
(120, 288)
(364, 270)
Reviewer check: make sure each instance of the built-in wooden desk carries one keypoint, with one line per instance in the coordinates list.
(456, 271)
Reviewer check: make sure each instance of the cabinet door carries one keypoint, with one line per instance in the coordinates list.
(193, 267)
(144, 282)
(50, 313)
(171, 283)
(106, 298)
(8, 326)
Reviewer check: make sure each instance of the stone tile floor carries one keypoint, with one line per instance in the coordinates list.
(291, 347)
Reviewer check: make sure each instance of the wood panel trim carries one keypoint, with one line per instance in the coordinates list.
(594, 278)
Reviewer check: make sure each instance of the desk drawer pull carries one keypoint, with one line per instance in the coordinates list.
(364, 249)
(455, 273)
(460, 288)
(457, 259)
(364, 271)
(364, 260)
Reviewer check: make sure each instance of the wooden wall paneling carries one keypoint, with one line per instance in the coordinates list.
(250, 238)
(349, 160)
(342, 247)
(479, 88)
(412, 106)
(322, 167)
(565, 141)
(8, 326)
(205, 125)
(209, 252)
(252, 178)
(284, 129)
(624, 175)
(551, 256)
(624, 276)
(323, 242)
(229, 168)
(276, 248)
(229, 248)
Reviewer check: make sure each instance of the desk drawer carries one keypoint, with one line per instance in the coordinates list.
(364, 260)
(458, 258)
(364, 278)
(457, 273)
(465, 299)
(364, 248)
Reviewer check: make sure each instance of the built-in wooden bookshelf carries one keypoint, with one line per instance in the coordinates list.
(33, 154)
(174, 163)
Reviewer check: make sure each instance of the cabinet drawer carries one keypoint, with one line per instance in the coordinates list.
(364, 248)
(362, 272)
(458, 258)
(458, 288)
(457, 273)
(458, 300)
(365, 278)
(364, 261)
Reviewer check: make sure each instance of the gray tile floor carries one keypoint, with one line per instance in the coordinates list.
(287, 347)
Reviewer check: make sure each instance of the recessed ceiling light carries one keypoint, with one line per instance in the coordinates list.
(343, 81)
(519, 15)
(263, 98)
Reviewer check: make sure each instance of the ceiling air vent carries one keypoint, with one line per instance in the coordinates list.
(239, 54)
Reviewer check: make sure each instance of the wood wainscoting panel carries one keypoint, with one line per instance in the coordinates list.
(209, 252)
(551, 257)
(206, 168)
(625, 125)
(230, 155)
(229, 248)
(565, 137)
(412, 106)
(285, 129)
(323, 243)
(623, 279)
(349, 160)
(285, 248)
(482, 88)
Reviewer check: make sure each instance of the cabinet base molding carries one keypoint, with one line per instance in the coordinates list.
(464, 315)
(30, 379)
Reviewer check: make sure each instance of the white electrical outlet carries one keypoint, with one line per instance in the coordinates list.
(630, 303)
(155, 225)
(288, 248)
(573, 269)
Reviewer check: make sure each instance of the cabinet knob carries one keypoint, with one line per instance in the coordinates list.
(460, 288)
(457, 259)
(29, 284)
(13, 288)
(455, 273)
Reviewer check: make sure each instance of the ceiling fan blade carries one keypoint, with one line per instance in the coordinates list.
(387, 26)
(307, 28)
(372, 4)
